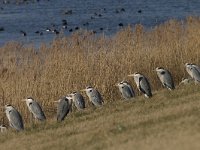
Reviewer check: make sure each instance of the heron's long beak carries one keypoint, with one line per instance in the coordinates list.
(83, 90)
(23, 100)
(130, 75)
(56, 101)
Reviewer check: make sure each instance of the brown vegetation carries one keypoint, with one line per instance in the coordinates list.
(71, 63)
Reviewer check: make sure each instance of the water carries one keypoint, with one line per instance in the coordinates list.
(37, 16)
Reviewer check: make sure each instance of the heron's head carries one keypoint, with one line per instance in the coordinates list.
(187, 64)
(160, 69)
(125, 82)
(137, 74)
(73, 94)
(8, 107)
(88, 89)
(69, 99)
(119, 84)
(29, 99)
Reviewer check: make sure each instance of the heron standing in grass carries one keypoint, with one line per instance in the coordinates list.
(35, 109)
(142, 83)
(165, 78)
(63, 108)
(194, 71)
(78, 100)
(14, 118)
(126, 90)
(94, 96)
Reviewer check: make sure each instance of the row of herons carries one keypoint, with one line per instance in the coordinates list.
(65, 104)
(143, 84)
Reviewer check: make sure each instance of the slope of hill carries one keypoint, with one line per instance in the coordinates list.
(169, 120)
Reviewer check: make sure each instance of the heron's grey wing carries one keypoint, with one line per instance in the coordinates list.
(168, 80)
(100, 100)
(81, 101)
(16, 120)
(145, 86)
(126, 92)
(62, 110)
(195, 73)
(131, 90)
(37, 111)
(197, 68)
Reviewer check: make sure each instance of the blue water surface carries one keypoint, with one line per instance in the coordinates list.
(101, 16)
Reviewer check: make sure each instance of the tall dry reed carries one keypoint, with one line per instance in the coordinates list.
(71, 63)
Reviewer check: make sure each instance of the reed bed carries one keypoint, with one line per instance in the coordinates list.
(71, 63)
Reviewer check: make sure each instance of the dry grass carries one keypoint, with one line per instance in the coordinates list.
(170, 120)
(71, 63)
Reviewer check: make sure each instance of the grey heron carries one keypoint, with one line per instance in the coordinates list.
(14, 118)
(165, 78)
(94, 96)
(63, 108)
(142, 83)
(35, 109)
(78, 100)
(194, 71)
(126, 90)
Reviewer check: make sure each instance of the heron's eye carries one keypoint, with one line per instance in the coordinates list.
(30, 104)
(90, 90)
(122, 87)
(163, 72)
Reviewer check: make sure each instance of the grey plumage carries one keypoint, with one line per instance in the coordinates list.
(35, 109)
(194, 71)
(63, 108)
(165, 78)
(78, 100)
(126, 90)
(143, 84)
(14, 117)
(94, 96)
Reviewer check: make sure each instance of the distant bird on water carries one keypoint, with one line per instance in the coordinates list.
(35, 109)
(23, 33)
(63, 108)
(194, 71)
(14, 118)
(78, 100)
(165, 78)
(126, 90)
(94, 96)
(142, 83)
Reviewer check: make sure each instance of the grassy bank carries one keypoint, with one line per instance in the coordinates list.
(170, 120)
(71, 63)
